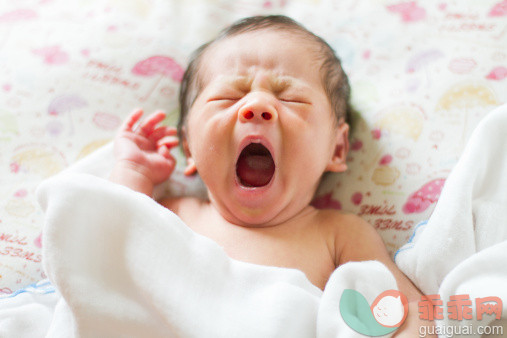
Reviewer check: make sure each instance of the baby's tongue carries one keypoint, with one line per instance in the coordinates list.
(255, 170)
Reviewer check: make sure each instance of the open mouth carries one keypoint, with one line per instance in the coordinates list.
(255, 166)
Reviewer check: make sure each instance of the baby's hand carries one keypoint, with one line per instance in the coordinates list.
(145, 149)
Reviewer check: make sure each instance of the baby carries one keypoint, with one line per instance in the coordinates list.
(263, 116)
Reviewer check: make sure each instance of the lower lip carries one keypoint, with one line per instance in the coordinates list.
(253, 192)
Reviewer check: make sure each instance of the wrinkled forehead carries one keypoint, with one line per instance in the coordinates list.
(288, 56)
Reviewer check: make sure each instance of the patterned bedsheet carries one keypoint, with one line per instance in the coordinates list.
(423, 73)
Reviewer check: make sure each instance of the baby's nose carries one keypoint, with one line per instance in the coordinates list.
(257, 111)
(248, 115)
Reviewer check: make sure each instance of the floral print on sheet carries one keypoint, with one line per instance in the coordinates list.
(423, 74)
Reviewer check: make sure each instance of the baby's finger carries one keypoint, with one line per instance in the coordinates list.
(164, 151)
(147, 126)
(162, 131)
(168, 141)
(131, 120)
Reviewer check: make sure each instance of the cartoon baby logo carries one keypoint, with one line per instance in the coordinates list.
(387, 312)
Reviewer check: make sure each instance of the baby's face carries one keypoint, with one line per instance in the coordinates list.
(261, 132)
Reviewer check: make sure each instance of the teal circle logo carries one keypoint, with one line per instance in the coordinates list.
(386, 314)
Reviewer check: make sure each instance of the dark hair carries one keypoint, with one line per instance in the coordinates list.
(334, 79)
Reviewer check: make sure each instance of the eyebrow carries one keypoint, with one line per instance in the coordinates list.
(244, 83)
(279, 84)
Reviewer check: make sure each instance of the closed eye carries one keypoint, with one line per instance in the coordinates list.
(215, 99)
(223, 100)
(294, 100)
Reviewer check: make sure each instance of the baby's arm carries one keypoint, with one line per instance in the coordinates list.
(364, 243)
(142, 157)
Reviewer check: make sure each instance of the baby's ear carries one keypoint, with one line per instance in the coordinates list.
(338, 161)
(190, 169)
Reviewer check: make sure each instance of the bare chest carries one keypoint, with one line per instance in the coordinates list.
(290, 246)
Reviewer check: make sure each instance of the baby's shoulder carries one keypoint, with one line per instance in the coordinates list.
(340, 222)
(352, 235)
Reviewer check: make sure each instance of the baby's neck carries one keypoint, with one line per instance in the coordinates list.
(218, 213)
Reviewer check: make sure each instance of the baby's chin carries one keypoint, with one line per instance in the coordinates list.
(262, 211)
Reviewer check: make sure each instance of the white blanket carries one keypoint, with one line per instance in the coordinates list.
(462, 249)
(124, 266)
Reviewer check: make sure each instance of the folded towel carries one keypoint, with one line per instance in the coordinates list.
(462, 248)
(126, 266)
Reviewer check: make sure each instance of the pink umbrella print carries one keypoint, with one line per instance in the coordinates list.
(19, 15)
(409, 11)
(499, 9)
(421, 199)
(423, 59)
(65, 104)
(497, 73)
(159, 64)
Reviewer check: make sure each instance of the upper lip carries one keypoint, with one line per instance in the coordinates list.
(255, 138)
